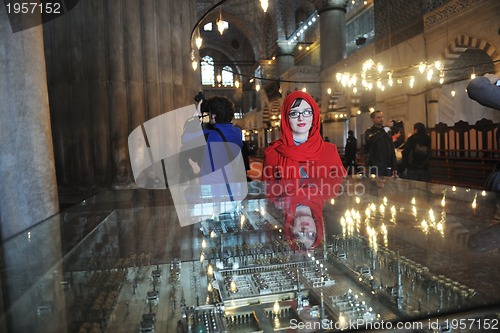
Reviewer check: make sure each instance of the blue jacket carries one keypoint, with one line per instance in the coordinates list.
(218, 153)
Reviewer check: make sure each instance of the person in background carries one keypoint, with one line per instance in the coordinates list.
(416, 154)
(301, 152)
(219, 130)
(398, 140)
(485, 90)
(327, 139)
(380, 148)
(350, 151)
(397, 137)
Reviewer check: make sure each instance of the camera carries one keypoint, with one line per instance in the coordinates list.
(199, 97)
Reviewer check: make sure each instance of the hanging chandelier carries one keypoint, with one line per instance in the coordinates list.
(221, 25)
(198, 40)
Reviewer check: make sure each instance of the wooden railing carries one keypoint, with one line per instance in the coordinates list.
(464, 154)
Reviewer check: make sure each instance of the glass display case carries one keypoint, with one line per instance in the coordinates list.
(299, 256)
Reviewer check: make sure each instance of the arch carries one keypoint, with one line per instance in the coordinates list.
(248, 29)
(301, 15)
(219, 52)
(463, 42)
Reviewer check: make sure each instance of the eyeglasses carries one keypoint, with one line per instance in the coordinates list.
(309, 234)
(296, 114)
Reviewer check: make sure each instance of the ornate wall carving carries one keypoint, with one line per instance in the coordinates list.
(447, 11)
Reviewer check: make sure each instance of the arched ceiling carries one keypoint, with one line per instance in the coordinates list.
(242, 38)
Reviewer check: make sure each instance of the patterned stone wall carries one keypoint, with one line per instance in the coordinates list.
(396, 21)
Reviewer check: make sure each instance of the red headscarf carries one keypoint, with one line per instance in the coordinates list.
(311, 150)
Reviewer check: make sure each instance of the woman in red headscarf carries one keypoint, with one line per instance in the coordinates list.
(301, 151)
(302, 202)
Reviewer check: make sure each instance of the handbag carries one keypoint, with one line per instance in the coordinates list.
(399, 155)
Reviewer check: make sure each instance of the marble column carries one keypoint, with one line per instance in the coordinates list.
(28, 193)
(432, 99)
(285, 58)
(246, 98)
(332, 31)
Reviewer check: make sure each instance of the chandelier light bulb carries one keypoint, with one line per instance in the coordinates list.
(389, 81)
(453, 93)
(421, 67)
(353, 80)
(237, 84)
(194, 64)
(198, 42)
(220, 26)
(412, 82)
(257, 87)
(430, 72)
(329, 91)
(264, 4)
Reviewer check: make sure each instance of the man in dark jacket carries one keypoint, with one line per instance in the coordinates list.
(416, 154)
(380, 148)
(485, 90)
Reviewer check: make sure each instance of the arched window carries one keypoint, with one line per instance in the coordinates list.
(208, 26)
(207, 71)
(227, 76)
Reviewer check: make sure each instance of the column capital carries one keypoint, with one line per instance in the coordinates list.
(285, 48)
(433, 95)
(326, 5)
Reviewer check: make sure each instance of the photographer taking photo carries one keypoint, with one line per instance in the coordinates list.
(218, 131)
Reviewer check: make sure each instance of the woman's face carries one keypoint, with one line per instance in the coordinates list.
(301, 118)
(304, 227)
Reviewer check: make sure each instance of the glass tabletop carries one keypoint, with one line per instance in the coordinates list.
(303, 256)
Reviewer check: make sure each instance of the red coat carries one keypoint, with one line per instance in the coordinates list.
(328, 166)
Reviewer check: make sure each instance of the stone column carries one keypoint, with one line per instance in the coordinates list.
(29, 191)
(432, 100)
(332, 31)
(285, 58)
(246, 98)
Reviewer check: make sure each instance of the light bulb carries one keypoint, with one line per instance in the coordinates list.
(264, 4)
(198, 41)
